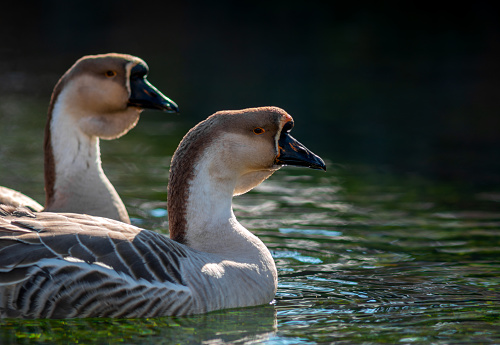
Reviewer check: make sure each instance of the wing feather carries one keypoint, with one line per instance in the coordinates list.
(26, 238)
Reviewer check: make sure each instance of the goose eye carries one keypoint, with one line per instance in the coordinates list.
(110, 73)
(258, 130)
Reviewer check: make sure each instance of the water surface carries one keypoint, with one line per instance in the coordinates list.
(363, 254)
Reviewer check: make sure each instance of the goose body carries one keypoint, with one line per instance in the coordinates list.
(100, 96)
(70, 265)
(13, 197)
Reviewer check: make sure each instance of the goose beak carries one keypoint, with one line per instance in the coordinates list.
(291, 152)
(145, 95)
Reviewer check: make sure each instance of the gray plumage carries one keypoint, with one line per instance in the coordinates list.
(69, 265)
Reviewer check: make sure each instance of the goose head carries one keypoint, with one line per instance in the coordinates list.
(105, 94)
(253, 143)
(99, 97)
(228, 154)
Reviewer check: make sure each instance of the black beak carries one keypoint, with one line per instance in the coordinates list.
(291, 152)
(145, 95)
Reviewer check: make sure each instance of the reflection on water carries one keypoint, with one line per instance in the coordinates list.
(392, 266)
(362, 255)
(249, 325)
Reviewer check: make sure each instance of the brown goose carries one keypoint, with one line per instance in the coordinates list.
(69, 265)
(100, 96)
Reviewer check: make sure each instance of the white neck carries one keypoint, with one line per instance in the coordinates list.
(211, 224)
(209, 212)
(239, 268)
(80, 183)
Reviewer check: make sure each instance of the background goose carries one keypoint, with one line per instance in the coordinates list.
(100, 96)
(70, 265)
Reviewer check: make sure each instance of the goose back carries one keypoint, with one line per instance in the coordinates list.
(12, 197)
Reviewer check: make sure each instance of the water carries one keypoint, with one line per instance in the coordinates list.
(364, 255)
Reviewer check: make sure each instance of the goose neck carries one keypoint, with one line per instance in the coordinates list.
(209, 211)
(74, 179)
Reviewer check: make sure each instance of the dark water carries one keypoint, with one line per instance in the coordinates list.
(364, 255)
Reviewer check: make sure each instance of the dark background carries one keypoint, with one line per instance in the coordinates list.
(411, 88)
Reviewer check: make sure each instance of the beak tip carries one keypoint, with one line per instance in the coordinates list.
(171, 107)
(172, 110)
(320, 166)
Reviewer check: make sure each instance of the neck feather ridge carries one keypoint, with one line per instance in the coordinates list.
(182, 175)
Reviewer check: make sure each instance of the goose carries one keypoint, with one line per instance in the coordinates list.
(100, 96)
(63, 265)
